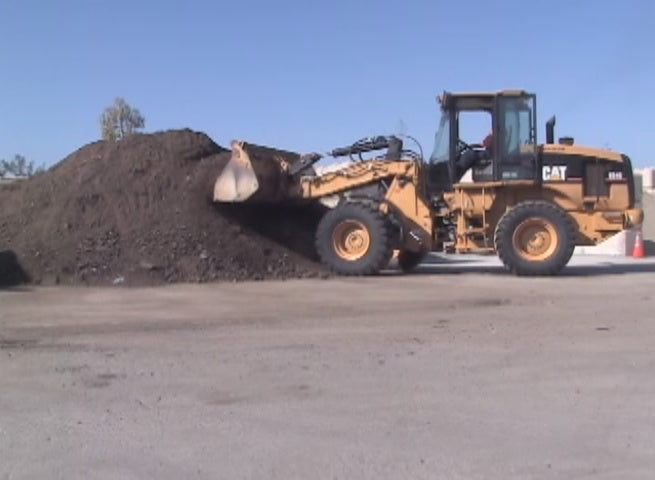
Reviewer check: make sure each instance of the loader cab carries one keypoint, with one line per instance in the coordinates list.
(511, 155)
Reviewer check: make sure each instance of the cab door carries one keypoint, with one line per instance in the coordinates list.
(515, 140)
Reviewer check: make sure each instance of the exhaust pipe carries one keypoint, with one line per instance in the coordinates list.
(550, 130)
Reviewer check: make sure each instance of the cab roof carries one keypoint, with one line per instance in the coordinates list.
(476, 100)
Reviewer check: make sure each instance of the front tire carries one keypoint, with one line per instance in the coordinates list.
(354, 239)
(535, 238)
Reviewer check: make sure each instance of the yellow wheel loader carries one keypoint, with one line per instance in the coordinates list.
(529, 203)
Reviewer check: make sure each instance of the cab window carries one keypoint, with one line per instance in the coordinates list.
(517, 142)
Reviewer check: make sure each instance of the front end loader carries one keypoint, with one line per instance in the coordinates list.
(529, 203)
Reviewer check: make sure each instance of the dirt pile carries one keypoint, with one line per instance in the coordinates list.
(140, 212)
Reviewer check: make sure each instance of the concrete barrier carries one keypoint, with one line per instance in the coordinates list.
(645, 180)
(620, 244)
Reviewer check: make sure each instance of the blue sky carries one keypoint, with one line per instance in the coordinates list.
(311, 76)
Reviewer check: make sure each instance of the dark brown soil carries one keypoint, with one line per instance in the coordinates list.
(139, 212)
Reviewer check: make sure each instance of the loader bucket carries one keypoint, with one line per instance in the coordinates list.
(256, 174)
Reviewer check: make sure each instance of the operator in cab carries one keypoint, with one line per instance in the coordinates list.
(472, 155)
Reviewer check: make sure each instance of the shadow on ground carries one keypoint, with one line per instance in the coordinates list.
(609, 269)
(443, 265)
(11, 271)
(649, 247)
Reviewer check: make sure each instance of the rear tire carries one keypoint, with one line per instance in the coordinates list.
(354, 239)
(535, 238)
(408, 261)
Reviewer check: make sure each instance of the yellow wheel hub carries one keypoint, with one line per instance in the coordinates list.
(535, 239)
(351, 240)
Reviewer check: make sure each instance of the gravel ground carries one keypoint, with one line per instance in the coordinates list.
(457, 375)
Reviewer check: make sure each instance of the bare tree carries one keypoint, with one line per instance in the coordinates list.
(120, 120)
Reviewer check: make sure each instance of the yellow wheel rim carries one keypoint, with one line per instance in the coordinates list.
(535, 239)
(351, 240)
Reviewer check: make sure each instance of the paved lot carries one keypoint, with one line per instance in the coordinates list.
(468, 373)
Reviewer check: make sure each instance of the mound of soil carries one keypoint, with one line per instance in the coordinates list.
(140, 212)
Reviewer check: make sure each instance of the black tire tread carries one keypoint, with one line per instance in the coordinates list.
(548, 267)
(380, 228)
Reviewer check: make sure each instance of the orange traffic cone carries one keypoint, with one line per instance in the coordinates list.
(638, 250)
